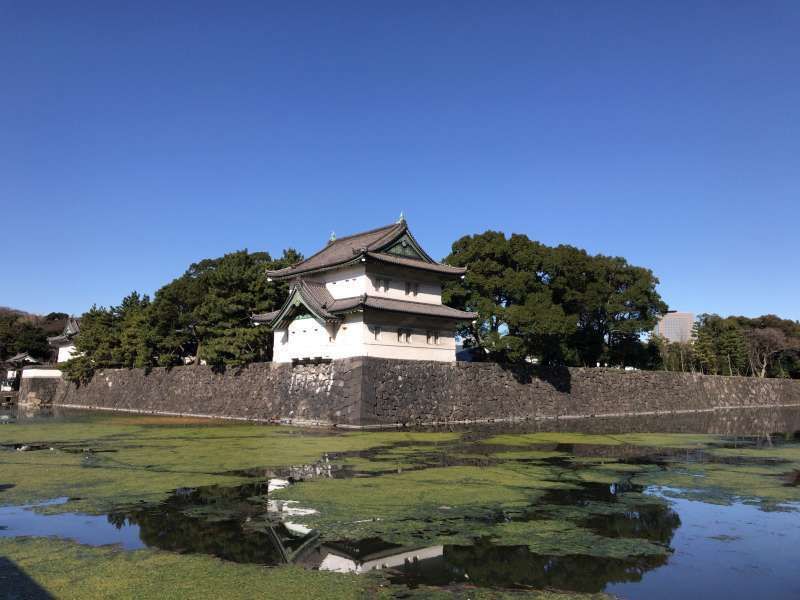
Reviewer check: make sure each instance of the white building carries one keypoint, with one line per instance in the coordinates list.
(375, 293)
(65, 343)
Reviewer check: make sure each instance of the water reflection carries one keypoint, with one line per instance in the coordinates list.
(243, 524)
(488, 565)
(247, 524)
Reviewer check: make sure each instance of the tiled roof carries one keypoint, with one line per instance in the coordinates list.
(403, 306)
(319, 301)
(22, 357)
(343, 250)
(418, 308)
(416, 264)
(71, 329)
(316, 296)
(313, 294)
(264, 317)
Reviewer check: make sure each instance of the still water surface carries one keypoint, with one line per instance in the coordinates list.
(656, 515)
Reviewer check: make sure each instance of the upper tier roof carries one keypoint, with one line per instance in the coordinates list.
(374, 245)
(71, 329)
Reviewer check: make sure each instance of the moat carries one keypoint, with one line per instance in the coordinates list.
(657, 507)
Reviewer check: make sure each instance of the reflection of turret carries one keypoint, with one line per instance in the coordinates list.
(227, 522)
(335, 560)
(322, 469)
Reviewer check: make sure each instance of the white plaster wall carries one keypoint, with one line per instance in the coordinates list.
(65, 353)
(350, 335)
(280, 346)
(388, 346)
(429, 290)
(309, 338)
(41, 373)
(345, 283)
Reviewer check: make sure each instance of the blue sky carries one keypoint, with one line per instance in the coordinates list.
(134, 141)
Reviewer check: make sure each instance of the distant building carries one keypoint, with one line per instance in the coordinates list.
(375, 293)
(12, 370)
(65, 343)
(675, 326)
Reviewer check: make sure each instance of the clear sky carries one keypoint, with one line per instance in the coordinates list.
(134, 141)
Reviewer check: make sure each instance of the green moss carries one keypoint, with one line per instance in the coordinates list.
(42, 475)
(562, 538)
(67, 570)
(720, 483)
(789, 452)
(137, 459)
(653, 440)
(465, 592)
(421, 505)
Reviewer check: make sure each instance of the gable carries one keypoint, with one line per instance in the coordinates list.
(406, 247)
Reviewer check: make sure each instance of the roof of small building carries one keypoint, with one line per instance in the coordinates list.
(22, 357)
(373, 245)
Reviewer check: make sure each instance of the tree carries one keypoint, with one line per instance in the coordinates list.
(205, 314)
(764, 345)
(560, 304)
(20, 332)
(506, 285)
(673, 356)
(235, 287)
(136, 348)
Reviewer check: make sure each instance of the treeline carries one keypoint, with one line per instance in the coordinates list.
(562, 306)
(537, 303)
(765, 346)
(25, 332)
(557, 305)
(203, 315)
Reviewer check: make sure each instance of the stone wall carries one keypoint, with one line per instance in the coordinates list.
(313, 394)
(374, 392)
(426, 392)
(38, 390)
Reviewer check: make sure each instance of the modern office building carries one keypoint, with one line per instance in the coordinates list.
(675, 326)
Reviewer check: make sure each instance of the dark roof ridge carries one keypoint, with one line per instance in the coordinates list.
(415, 263)
(342, 250)
(341, 239)
(375, 230)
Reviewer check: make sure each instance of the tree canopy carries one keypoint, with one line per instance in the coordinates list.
(25, 332)
(765, 346)
(203, 315)
(560, 304)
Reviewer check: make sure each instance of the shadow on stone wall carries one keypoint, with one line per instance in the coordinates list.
(557, 376)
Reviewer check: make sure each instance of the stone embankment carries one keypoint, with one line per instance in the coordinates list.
(382, 392)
